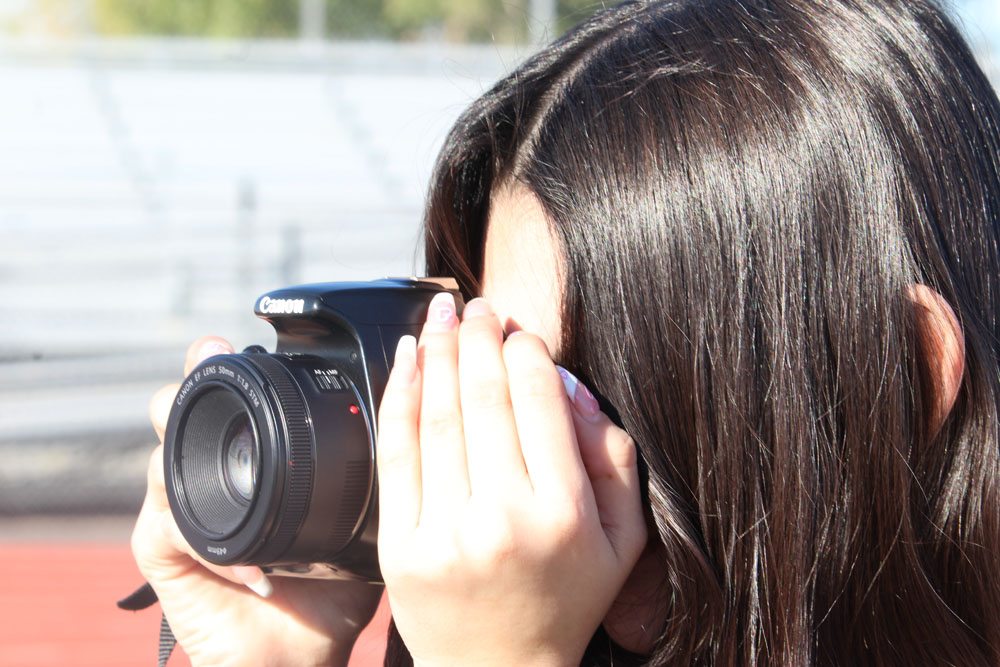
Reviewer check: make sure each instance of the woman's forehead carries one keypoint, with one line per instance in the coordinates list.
(522, 266)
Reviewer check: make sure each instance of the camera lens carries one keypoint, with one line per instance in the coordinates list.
(269, 459)
(240, 459)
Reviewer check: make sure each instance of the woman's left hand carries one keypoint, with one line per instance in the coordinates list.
(510, 516)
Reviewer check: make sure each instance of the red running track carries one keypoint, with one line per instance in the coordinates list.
(57, 607)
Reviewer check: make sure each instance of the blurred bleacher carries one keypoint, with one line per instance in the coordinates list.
(150, 190)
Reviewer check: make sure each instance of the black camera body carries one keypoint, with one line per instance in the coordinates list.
(269, 459)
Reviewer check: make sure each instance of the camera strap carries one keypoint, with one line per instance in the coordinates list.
(143, 598)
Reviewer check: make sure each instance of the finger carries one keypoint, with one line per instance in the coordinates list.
(544, 421)
(398, 447)
(173, 536)
(491, 440)
(161, 550)
(202, 349)
(253, 578)
(159, 408)
(156, 503)
(444, 472)
(611, 461)
(156, 491)
(154, 552)
(165, 559)
(155, 549)
(249, 575)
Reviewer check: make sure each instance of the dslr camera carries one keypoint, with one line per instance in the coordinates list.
(269, 458)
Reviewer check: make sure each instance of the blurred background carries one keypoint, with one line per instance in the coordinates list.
(164, 162)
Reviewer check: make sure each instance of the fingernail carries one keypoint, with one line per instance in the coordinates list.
(254, 579)
(262, 587)
(211, 349)
(441, 313)
(477, 308)
(582, 399)
(405, 363)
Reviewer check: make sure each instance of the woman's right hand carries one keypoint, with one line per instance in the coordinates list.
(213, 612)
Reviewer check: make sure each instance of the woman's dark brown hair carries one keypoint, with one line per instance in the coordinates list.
(744, 191)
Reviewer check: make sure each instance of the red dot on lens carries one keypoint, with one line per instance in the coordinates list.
(354, 409)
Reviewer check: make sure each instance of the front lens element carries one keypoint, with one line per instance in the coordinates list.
(218, 460)
(240, 463)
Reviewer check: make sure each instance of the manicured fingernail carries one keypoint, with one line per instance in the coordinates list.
(582, 399)
(211, 349)
(477, 308)
(262, 587)
(441, 313)
(254, 579)
(405, 364)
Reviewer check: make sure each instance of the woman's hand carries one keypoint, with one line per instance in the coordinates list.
(510, 516)
(213, 611)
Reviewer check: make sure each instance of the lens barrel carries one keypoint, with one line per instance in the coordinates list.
(269, 460)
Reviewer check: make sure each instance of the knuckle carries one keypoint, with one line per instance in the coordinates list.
(436, 345)
(154, 471)
(495, 542)
(419, 564)
(390, 561)
(566, 523)
(623, 451)
(143, 542)
(536, 383)
(441, 424)
(160, 404)
(531, 369)
(137, 542)
(393, 409)
(442, 568)
(480, 328)
(487, 395)
(639, 536)
(392, 460)
(525, 345)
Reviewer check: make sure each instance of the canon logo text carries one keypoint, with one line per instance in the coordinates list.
(270, 306)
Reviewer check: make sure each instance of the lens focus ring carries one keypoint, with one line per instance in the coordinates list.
(299, 456)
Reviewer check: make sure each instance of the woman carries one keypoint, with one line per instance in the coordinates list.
(766, 232)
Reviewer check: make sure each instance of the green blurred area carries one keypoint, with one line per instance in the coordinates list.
(503, 21)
